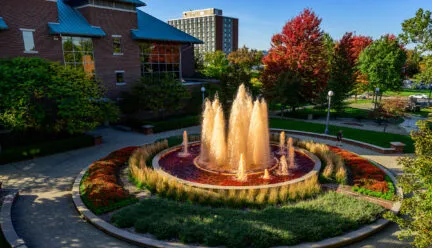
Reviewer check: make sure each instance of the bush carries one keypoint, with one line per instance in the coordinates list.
(45, 148)
(48, 97)
(160, 93)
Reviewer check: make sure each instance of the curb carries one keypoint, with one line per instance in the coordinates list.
(339, 241)
(6, 221)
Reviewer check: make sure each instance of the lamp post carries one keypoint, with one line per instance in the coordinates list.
(203, 89)
(330, 94)
(376, 96)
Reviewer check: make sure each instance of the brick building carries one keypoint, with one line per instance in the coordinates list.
(112, 39)
(209, 25)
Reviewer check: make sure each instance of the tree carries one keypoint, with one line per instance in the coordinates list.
(416, 182)
(426, 73)
(299, 48)
(382, 62)
(412, 66)
(215, 64)
(342, 76)
(418, 30)
(359, 43)
(49, 98)
(160, 93)
(287, 90)
(245, 58)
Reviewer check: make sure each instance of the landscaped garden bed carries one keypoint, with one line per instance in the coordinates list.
(100, 188)
(368, 179)
(243, 218)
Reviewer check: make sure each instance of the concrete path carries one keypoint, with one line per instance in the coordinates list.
(44, 215)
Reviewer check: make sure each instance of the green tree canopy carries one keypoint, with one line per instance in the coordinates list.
(287, 90)
(215, 64)
(160, 93)
(416, 182)
(382, 62)
(418, 30)
(246, 58)
(37, 95)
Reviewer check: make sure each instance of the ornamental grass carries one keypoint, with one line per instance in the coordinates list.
(146, 177)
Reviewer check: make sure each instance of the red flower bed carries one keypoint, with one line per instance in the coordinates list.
(365, 174)
(100, 188)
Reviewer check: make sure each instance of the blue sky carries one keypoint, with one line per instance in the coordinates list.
(259, 20)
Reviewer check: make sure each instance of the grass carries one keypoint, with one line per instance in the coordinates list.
(406, 92)
(326, 216)
(371, 137)
(348, 112)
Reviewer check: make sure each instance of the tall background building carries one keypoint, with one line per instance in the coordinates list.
(209, 25)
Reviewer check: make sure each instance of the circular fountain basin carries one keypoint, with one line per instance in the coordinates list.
(185, 170)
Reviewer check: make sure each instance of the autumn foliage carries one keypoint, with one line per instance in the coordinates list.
(299, 48)
(100, 188)
(364, 173)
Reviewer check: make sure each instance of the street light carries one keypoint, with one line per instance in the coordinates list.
(330, 94)
(203, 89)
(376, 96)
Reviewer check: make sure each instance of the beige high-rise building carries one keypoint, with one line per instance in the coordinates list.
(218, 32)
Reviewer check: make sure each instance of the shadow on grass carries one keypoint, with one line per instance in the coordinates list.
(327, 216)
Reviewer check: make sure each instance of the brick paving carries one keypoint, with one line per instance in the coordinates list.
(44, 215)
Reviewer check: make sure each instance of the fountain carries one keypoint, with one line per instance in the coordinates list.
(283, 170)
(237, 151)
(185, 152)
(282, 143)
(241, 173)
(266, 175)
(248, 134)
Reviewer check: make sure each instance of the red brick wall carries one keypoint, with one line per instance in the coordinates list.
(114, 22)
(34, 14)
(219, 33)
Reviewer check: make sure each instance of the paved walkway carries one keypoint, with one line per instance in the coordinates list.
(44, 215)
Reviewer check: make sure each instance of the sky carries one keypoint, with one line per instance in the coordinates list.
(260, 20)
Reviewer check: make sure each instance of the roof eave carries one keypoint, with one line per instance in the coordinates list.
(96, 32)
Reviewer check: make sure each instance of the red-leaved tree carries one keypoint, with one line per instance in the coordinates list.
(359, 43)
(299, 49)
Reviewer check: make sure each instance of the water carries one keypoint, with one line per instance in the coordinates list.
(248, 134)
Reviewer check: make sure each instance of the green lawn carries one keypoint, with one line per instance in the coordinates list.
(406, 92)
(326, 216)
(347, 113)
(372, 137)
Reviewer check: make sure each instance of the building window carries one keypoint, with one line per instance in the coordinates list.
(117, 46)
(29, 45)
(120, 77)
(78, 53)
(157, 58)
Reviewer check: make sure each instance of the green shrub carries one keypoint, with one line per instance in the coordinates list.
(48, 97)
(42, 149)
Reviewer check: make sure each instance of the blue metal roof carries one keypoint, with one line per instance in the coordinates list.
(71, 22)
(3, 24)
(151, 28)
(137, 3)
